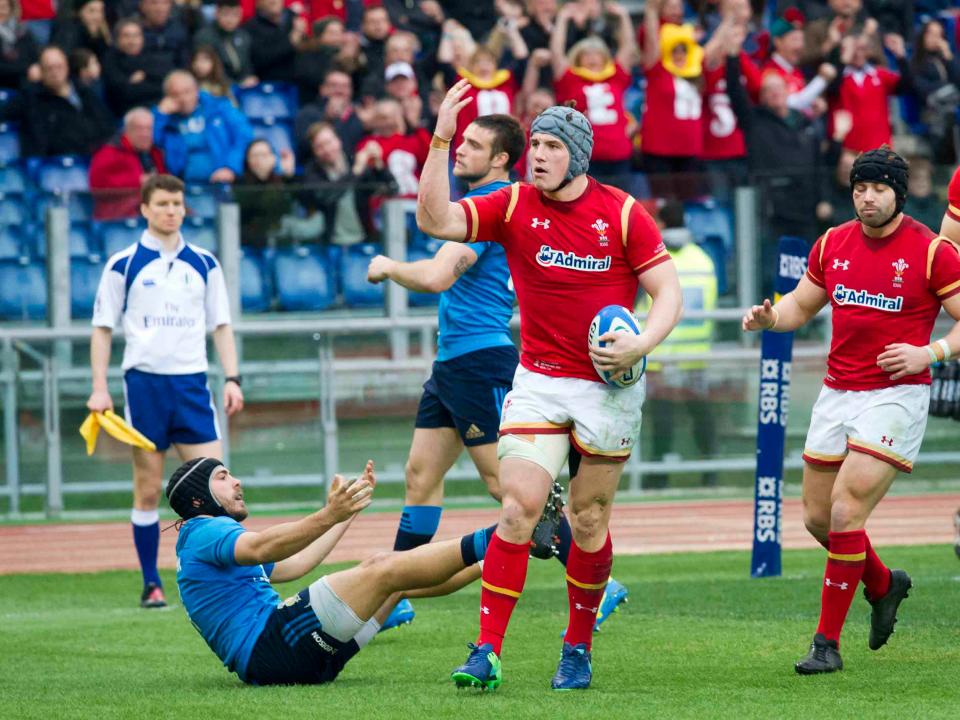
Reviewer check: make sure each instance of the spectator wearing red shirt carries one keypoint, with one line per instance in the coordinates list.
(402, 151)
(493, 89)
(863, 96)
(119, 168)
(672, 133)
(596, 82)
(788, 39)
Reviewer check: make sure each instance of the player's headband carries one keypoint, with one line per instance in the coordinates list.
(882, 165)
(572, 128)
(188, 489)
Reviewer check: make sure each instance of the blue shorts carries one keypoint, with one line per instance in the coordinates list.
(170, 408)
(294, 650)
(467, 393)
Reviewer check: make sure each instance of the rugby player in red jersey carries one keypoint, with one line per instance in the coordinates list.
(573, 246)
(950, 228)
(885, 276)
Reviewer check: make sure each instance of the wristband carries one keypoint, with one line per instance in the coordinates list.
(439, 143)
(776, 318)
(946, 348)
(238, 379)
(932, 353)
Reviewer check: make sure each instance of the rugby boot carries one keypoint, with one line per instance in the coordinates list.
(481, 670)
(575, 670)
(402, 614)
(824, 657)
(152, 597)
(883, 615)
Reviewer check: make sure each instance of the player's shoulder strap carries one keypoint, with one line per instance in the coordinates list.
(628, 202)
(514, 197)
(932, 250)
(823, 243)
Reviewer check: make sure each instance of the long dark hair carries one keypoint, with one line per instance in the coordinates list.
(920, 53)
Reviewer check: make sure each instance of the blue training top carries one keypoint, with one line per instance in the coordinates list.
(475, 311)
(229, 604)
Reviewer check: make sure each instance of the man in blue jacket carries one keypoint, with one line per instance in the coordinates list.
(203, 137)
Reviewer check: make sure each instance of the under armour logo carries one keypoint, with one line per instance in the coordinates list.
(887, 441)
(592, 610)
(538, 223)
(484, 609)
(841, 265)
(842, 585)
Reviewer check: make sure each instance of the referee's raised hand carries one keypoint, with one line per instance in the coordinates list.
(759, 317)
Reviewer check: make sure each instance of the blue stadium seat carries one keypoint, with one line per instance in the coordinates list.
(66, 173)
(424, 251)
(201, 232)
(253, 289)
(334, 254)
(273, 100)
(710, 218)
(84, 279)
(82, 243)
(115, 235)
(23, 291)
(11, 243)
(12, 209)
(6, 96)
(12, 179)
(276, 132)
(9, 143)
(80, 207)
(303, 280)
(201, 201)
(909, 108)
(357, 292)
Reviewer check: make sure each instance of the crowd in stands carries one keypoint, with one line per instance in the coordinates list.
(308, 112)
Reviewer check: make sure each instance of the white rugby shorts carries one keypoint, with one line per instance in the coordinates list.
(887, 423)
(602, 420)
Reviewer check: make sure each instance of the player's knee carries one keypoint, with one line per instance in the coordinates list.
(846, 513)
(520, 513)
(419, 482)
(147, 498)
(493, 486)
(588, 521)
(377, 567)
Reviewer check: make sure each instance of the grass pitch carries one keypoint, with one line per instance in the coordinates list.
(699, 639)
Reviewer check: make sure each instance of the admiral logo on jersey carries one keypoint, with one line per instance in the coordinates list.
(548, 257)
(848, 296)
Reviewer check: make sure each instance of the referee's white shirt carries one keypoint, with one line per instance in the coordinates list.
(168, 302)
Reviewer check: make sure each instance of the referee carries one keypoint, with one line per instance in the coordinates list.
(168, 294)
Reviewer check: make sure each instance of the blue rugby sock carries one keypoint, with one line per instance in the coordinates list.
(146, 538)
(474, 546)
(566, 539)
(418, 525)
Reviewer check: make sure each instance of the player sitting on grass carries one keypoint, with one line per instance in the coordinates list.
(224, 574)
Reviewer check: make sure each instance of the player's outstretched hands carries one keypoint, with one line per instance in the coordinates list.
(348, 497)
(621, 351)
(760, 317)
(902, 359)
(453, 102)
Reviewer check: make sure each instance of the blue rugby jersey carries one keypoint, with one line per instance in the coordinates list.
(228, 604)
(475, 311)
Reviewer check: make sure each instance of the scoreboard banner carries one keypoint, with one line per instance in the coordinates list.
(775, 361)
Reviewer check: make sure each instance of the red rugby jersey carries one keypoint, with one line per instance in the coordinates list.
(404, 156)
(790, 73)
(672, 115)
(865, 94)
(599, 96)
(953, 196)
(881, 291)
(490, 97)
(722, 136)
(568, 260)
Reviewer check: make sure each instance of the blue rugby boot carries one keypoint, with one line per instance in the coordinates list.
(402, 614)
(575, 670)
(481, 670)
(614, 595)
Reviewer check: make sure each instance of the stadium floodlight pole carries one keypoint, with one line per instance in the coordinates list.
(776, 355)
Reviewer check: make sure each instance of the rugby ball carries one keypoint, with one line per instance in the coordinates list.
(616, 318)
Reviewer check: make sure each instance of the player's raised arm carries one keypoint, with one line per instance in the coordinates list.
(793, 310)
(436, 215)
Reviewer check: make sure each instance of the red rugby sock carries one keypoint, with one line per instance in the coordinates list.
(504, 572)
(876, 575)
(845, 562)
(587, 575)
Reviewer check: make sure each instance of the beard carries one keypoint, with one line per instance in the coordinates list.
(470, 177)
(878, 221)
